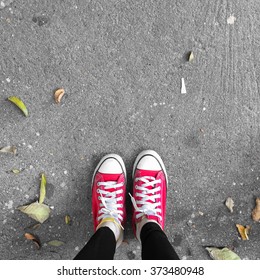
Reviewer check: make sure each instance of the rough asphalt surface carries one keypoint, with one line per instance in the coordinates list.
(121, 64)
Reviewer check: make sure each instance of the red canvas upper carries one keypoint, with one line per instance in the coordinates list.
(101, 177)
(163, 193)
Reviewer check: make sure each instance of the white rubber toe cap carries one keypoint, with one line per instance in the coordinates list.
(111, 164)
(149, 163)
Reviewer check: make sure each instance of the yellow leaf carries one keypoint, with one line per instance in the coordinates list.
(37, 211)
(222, 254)
(19, 103)
(191, 56)
(67, 219)
(55, 243)
(243, 231)
(58, 95)
(42, 188)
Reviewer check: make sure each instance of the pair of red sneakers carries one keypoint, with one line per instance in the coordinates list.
(149, 190)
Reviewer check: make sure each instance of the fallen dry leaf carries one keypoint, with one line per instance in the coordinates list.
(243, 231)
(55, 243)
(67, 220)
(58, 95)
(222, 254)
(35, 239)
(191, 56)
(19, 103)
(9, 149)
(256, 211)
(230, 204)
(33, 227)
(42, 188)
(37, 211)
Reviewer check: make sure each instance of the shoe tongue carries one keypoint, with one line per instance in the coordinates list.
(110, 177)
(142, 173)
(145, 173)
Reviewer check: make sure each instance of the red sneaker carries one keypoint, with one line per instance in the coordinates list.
(108, 191)
(150, 188)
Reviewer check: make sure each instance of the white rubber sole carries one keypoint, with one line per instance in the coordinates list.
(115, 156)
(155, 155)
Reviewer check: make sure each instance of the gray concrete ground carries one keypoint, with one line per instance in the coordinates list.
(121, 64)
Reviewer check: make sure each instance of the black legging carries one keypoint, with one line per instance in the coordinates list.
(155, 245)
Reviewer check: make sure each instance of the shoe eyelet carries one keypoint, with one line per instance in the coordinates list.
(98, 197)
(98, 191)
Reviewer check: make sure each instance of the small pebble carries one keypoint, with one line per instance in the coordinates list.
(65, 172)
(8, 80)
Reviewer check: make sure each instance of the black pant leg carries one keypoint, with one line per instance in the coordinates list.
(155, 244)
(101, 246)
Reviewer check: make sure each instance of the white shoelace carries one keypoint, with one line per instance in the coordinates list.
(109, 202)
(144, 206)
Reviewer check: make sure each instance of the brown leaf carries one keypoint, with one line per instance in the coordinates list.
(58, 95)
(256, 211)
(33, 227)
(243, 231)
(32, 237)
